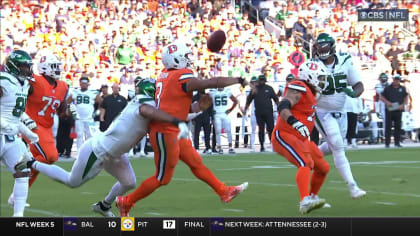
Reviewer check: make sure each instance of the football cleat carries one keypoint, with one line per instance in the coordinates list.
(25, 161)
(356, 192)
(103, 210)
(310, 203)
(231, 151)
(122, 204)
(220, 151)
(233, 191)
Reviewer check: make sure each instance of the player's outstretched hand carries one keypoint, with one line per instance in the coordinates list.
(184, 132)
(243, 82)
(205, 102)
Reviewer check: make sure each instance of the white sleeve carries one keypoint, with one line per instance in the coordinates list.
(353, 76)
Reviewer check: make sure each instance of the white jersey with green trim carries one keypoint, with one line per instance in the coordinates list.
(220, 100)
(84, 101)
(13, 101)
(341, 73)
(125, 131)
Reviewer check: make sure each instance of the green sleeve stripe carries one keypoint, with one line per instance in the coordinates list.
(92, 159)
(5, 78)
(348, 57)
(320, 125)
(143, 100)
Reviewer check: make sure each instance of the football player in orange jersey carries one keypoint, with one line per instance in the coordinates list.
(174, 92)
(46, 97)
(293, 127)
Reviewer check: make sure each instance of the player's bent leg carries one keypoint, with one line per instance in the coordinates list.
(166, 155)
(321, 169)
(296, 152)
(122, 170)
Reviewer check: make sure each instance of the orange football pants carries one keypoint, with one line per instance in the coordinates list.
(167, 150)
(44, 150)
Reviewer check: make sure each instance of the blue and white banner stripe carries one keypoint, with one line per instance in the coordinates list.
(290, 149)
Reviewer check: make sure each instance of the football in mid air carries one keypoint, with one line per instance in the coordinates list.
(216, 41)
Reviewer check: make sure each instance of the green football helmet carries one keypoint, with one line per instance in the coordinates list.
(145, 86)
(324, 46)
(19, 63)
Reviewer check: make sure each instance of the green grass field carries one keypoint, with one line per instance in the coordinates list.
(391, 178)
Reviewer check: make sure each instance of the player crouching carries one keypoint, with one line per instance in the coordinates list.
(293, 128)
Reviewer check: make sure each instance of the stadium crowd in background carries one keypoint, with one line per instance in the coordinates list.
(115, 41)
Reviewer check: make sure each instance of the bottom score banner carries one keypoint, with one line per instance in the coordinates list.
(213, 226)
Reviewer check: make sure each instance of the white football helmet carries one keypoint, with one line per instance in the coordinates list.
(50, 65)
(315, 73)
(176, 56)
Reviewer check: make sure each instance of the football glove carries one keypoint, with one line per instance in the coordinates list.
(24, 129)
(73, 111)
(31, 124)
(184, 132)
(299, 126)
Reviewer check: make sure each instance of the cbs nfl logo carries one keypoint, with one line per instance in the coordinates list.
(127, 223)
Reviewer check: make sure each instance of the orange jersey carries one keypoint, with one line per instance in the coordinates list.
(44, 100)
(304, 110)
(171, 98)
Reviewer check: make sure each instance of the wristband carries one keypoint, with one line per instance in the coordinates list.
(291, 120)
(241, 80)
(175, 121)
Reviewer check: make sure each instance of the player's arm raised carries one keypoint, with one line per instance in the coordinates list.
(215, 82)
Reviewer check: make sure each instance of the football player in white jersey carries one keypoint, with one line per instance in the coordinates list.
(84, 100)
(109, 150)
(331, 120)
(14, 88)
(220, 98)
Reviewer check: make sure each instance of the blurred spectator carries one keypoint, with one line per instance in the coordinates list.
(392, 56)
(124, 54)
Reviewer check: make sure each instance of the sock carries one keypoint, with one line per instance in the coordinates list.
(343, 167)
(317, 180)
(106, 203)
(302, 181)
(52, 171)
(117, 190)
(324, 148)
(203, 173)
(20, 192)
(147, 187)
(103, 206)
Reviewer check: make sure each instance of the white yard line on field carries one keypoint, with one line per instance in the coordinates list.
(34, 210)
(386, 203)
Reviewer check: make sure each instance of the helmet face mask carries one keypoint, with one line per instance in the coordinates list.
(314, 73)
(49, 65)
(324, 46)
(177, 56)
(19, 63)
(145, 87)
